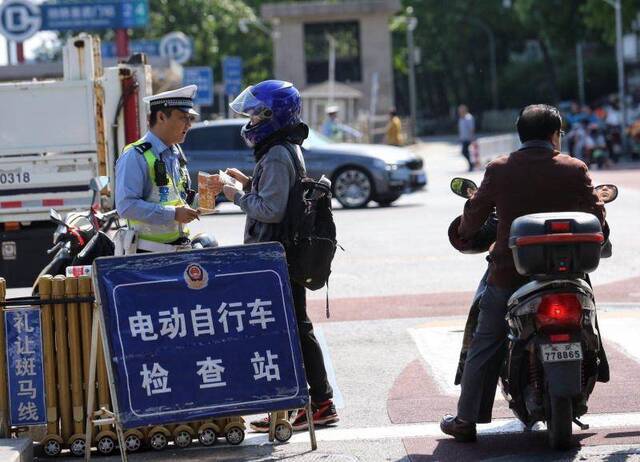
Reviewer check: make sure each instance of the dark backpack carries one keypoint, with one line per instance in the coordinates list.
(308, 232)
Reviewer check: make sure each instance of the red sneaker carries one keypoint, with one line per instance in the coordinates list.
(261, 425)
(323, 414)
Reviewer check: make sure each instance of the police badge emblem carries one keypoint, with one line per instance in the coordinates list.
(196, 277)
(164, 193)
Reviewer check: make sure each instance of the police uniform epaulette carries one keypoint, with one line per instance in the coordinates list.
(142, 148)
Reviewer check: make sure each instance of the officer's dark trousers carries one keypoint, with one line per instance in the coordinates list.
(319, 387)
(485, 357)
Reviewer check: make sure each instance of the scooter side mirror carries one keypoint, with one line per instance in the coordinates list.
(463, 187)
(56, 217)
(607, 192)
(98, 183)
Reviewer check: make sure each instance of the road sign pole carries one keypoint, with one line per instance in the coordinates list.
(122, 43)
(20, 52)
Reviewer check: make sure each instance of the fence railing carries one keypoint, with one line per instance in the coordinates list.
(491, 147)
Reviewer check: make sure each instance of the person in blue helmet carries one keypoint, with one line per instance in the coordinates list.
(275, 132)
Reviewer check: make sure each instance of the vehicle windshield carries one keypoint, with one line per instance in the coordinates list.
(315, 140)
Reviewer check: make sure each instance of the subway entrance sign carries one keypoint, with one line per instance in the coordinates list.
(199, 334)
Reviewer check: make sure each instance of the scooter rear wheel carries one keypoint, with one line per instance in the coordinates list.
(559, 422)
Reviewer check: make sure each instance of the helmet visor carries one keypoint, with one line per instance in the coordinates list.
(248, 105)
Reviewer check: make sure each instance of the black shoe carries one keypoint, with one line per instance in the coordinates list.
(463, 432)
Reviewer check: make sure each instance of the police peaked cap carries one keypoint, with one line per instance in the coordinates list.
(182, 99)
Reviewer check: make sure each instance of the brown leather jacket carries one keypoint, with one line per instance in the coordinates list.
(532, 180)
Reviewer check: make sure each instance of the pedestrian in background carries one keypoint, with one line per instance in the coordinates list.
(466, 132)
(331, 126)
(394, 135)
(335, 130)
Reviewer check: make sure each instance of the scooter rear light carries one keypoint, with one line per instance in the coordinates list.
(559, 310)
(560, 226)
(12, 226)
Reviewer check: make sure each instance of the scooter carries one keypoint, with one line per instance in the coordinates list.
(81, 237)
(554, 352)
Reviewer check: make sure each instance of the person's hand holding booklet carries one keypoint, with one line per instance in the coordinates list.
(210, 185)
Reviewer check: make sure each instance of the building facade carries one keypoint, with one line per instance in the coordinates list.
(360, 29)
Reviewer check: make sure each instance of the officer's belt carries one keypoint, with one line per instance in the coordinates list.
(151, 246)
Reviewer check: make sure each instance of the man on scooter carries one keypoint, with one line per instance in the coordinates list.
(534, 179)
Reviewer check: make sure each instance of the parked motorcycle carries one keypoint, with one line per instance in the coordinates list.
(554, 353)
(81, 237)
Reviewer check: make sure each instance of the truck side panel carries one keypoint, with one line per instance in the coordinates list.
(47, 117)
(31, 185)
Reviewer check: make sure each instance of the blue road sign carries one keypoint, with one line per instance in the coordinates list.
(24, 366)
(107, 14)
(200, 334)
(203, 78)
(232, 75)
(148, 47)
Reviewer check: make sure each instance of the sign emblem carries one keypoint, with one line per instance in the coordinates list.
(19, 19)
(196, 277)
(176, 46)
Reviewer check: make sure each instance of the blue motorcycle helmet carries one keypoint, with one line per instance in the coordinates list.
(271, 105)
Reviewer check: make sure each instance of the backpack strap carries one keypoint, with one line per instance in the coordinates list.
(295, 160)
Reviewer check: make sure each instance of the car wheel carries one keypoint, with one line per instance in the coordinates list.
(353, 188)
(387, 200)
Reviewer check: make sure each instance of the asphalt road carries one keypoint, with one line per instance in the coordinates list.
(398, 298)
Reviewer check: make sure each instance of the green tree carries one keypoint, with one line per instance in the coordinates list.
(213, 27)
(600, 20)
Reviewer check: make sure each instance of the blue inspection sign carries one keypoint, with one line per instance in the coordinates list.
(24, 366)
(202, 77)
(232, 75)
(103, 14)
(200, 334)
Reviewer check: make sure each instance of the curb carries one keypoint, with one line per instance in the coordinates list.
(16, 450)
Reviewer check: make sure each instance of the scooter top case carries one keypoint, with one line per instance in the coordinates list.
(556, 244)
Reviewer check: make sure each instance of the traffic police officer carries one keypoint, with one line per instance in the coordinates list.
(152, 182)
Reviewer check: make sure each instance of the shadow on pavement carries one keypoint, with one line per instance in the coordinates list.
(518, 446)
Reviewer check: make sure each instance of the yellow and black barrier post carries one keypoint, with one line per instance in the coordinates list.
(62, 359)
(52, 442)
(76, 442)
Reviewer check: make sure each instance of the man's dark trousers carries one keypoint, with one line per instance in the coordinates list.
(485, 357)
(467, 153)
(319, 387)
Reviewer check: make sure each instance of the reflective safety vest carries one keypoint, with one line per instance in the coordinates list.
(163, 193)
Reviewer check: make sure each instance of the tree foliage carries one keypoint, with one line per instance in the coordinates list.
(535, 43)
(535, 51)
(213, 27)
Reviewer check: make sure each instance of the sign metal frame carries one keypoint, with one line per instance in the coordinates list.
(98, 331)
